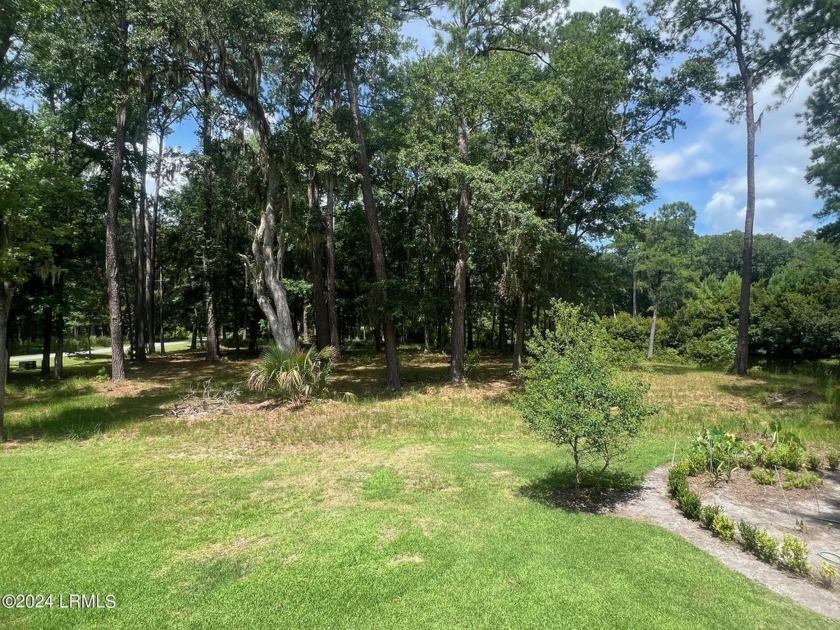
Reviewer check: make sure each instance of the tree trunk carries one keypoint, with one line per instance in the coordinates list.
(652, 338)
(426, 337)
(151, 249)
(254, 329)
(194, 341)
(46, 351)
(742, 354)
(393, 376)
(211, 347)
(316, 232)
(111, 245)
(634, 291)
(5, 305)
(502, 331)
(58, 368)
(162, 346)
(519, 336)
(335, 337)
(139, 223)
(459, 286)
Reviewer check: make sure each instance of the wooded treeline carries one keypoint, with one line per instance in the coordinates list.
(346, 183)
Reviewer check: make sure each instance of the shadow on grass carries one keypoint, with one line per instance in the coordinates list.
(557, 489)
(362, 373)
(670, 369)
(86, 404)
(83, 421)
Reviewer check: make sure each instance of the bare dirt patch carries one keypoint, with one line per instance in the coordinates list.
(414, 559)
(813, 514)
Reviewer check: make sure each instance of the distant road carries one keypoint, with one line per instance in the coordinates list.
(98, 352)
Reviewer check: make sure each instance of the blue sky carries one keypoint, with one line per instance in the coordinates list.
(705, 163)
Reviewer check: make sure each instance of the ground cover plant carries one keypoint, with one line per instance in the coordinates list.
(433, 506)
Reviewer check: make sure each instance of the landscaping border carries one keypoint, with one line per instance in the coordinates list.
(653, 504)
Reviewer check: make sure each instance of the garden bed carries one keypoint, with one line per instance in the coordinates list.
(807, 513)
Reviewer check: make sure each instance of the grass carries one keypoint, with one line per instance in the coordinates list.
(429, 509)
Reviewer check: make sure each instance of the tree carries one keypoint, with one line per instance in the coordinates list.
(29, 187)
(720, 33)
(665, 258)
(362, 36)
(574, 396)
(810, 39)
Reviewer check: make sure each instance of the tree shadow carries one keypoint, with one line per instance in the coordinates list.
(84, 421)
(362, 373)
(557, 489)
(86, 404)
(670, 369)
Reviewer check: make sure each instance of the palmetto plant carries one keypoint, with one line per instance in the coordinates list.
(293, 375)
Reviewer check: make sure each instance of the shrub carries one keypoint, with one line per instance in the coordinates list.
(802, 482)
(749, 534)
(292, 375)
(707, 515)
(757, 451)
(814, 462)
(723, 527)
(690, 505)
(678, 478)
(790, 456)
(828, 574)
(697, 462)
(764, 477)
(628, 333)
(471, 363)
(833, 459)
(714, 348)
(794, 555)
(574, 396)
(766, 547)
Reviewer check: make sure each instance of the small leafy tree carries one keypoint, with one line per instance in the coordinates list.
(573, 396)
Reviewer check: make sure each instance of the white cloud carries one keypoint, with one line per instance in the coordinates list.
(684, 163)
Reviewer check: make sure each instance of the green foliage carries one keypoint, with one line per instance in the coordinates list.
(790, 456)
(698, 461)
(813, 462)
(716, 347)
(723, 527)
(764, 477)
(678, 479)
(630, 334)
(472, 362)
(794, 555)
(801, 482)
(664, 263)
(749, 535)
(690, 504)
(833, 459)
(294, 375)
(724, 452)
(573, 395)
(828, 574)
(708, 514)
(766, 548)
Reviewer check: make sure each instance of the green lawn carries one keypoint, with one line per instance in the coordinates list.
(427, 509)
